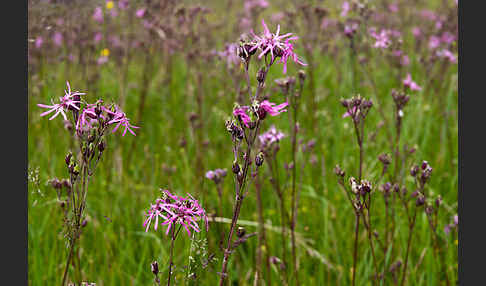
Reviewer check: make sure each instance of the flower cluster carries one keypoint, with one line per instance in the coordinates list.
(90, 115)
(357, 108)
(172, 209)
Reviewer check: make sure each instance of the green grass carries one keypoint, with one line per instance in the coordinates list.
(119, 252)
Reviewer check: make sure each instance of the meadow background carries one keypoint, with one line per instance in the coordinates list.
(172, 83)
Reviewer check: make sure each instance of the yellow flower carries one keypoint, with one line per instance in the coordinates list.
(110, 5)
(455, 242)
(105, 52)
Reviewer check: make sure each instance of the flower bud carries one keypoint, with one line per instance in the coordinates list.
(414, 170)
(240, 232)
(261, 75)
(84, 223)
(259, 159)
(386, 187)
(429, 210)
(438, 201)
(68, 158)
(56, 184)
(339, 172)
(384, 158)
(420, 200)
(425, 164)
(154, 267)
(102, 146)
(236, 168)
(302, 76)
(396, 188)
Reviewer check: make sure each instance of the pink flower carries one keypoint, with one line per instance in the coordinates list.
(102, 60)
(229, 54)
(66, 102)
(217, 175)
(176, 210)
(409, 83)
(57, 39)
(393, 7)
(273, 109)
(416, 32)
(447, 55)
(353, 111)
(350, 29)
(434, 42)
(268, 42)
(98, 14)
(288, 52)
(120, 118)
(382, 39)
(38, 42)
(98, 37)
(123, 4)
(252, 4)
(86, 117)
(345, 9)
(140, 12)
(447, 38)
(240, 113)
(404, 61)
(271, 136)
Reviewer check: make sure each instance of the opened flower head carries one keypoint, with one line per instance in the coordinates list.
(120, 118)
(172, 210)
(288, 52)
(241, 114)
(271, 108)
(70, 100)
(382, 39)
(270, 137)
(275, 44)
(409, 83)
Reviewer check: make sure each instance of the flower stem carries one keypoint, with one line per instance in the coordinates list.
(410, 232)
(355, 252)
(173, 238)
